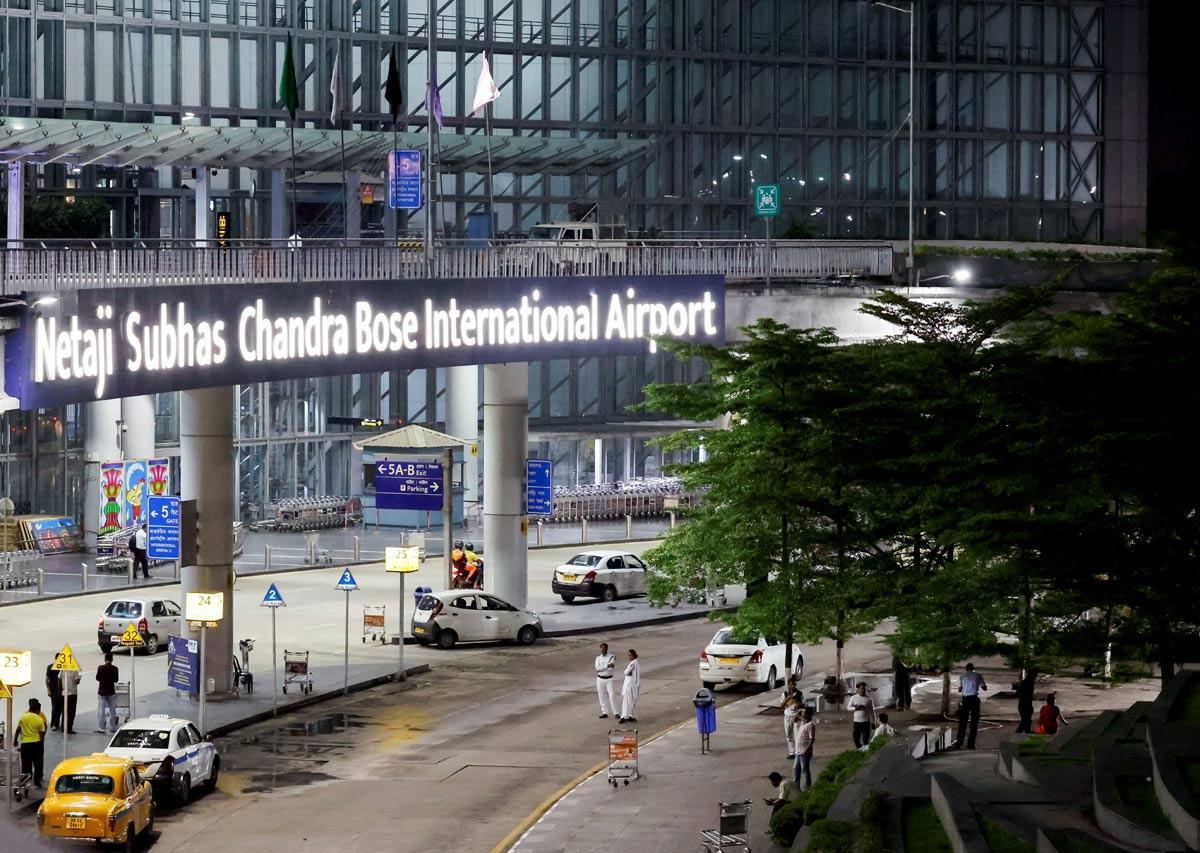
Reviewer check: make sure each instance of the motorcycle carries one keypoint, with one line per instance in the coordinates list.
(461, 577)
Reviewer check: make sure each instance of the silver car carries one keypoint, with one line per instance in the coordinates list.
(155, 619)
(606, 575)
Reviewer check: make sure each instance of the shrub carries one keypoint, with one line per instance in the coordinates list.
(813, 805)
(831, 836)
(872, 817)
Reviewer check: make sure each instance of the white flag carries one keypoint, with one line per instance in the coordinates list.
(334, 89)
(486, 91)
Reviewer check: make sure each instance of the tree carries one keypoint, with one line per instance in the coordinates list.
(52, 218)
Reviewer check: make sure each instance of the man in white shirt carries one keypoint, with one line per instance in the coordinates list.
(785, 792)
(139, 552)
(606, 665)
(864, 715)
(969, 685)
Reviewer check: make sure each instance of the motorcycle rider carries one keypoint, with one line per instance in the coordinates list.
(474, 577)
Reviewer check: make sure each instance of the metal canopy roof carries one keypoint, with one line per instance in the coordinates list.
(79, 142)
(411, 437)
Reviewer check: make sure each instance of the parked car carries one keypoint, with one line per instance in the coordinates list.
(97, 798)
(730, 657)
(606, 575)
(456, 615)
(155, 618)
(171, 753)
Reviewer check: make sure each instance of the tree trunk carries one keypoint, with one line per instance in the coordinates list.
(785, 569)
(1026, 618)
(945, 693)
(1166, 657)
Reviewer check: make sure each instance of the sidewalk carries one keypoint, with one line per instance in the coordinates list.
(679, 789)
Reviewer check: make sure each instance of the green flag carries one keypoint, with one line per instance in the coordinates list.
(289, 95)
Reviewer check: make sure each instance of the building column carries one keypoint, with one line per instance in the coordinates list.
(202, 195)
(206, 476)
(279, 229)
(598, 458)
(137, 414)
(462, 421)
(16, 200)
(101, 443)
(505, 441)
(353, 205)
(628, 468)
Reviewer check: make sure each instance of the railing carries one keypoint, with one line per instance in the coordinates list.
(35, 266)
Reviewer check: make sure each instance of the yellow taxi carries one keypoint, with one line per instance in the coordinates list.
(97, 798)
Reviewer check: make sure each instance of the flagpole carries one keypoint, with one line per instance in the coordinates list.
(491, 198)
(430, 203)
(335, 85)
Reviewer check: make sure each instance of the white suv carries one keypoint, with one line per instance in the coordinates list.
(600, 574)
(171, 753)
(730, 657)
(155, 619)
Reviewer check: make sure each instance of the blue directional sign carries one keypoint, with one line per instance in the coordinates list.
(407, 484)
(346, 581)
(162, 528)
(272, 598)
(404, 180)
(539, 494)
(183, 664)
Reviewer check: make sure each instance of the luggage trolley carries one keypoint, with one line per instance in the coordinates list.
(373, 623)
(121, 707)
(295, 671)
(733, 829)
(622, 756)
(22, 783)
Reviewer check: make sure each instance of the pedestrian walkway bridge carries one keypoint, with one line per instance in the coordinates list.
(33, 266)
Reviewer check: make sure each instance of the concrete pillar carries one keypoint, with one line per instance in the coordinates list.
(279, 229)
(202, 195)
(100, 444)
(462, 420)
(628, 469)
(389, 222)
(16, 200)
(138, 415)
(206, 476)
(598, 468)
(353, 205)
(505, 438)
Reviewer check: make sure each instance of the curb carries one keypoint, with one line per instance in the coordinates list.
(641, 623)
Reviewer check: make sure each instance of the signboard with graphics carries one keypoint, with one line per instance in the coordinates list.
(767, 200)
(539, 494)
(404, 179)
(101, 343)
(183, 664)
(162, 528)
(408, 484)
(135, 493)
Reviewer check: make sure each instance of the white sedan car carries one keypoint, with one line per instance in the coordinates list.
(606, 575)
(729, 658)
(171, 753)
(470, 616)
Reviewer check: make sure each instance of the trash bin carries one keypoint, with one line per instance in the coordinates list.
(419, 593)
(705, 702)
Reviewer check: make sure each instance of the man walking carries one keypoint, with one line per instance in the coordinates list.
(54, 688)
(864, 715)
(793, 702)
(32, 728)
(106, 676)
(806, 738)
(70, 686)
(138, 547)
(969, 685)
(1025, 688)
(605, 666)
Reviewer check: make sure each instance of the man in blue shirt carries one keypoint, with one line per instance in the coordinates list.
(969, 685)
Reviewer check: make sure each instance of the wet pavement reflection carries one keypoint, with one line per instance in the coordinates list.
(294, 754)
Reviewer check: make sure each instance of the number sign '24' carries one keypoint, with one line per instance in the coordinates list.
(204, 606)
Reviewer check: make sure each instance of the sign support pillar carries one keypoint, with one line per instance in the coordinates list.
(203, 676)
(505, 439)
(274, 670)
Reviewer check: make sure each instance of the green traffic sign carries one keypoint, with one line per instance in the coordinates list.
(767, 200)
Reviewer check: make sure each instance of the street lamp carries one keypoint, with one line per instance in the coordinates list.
(911, 11)
(962, 275)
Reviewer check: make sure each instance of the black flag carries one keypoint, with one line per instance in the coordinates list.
(391, 89)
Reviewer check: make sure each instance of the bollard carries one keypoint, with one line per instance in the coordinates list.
(583, 531)
(129, 564)
(357, 549)
(267, 557)
(628, 526)
(540, 525)
(41, 581)
(84, 575)
(672, 514)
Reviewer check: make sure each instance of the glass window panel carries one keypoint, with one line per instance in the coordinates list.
(995, 169)
(248, 82)
(164, 68)
(820, 27)
(1029, 117)
(966, 44)
(848, 98)
(1029, 34)
(820, 97)
(967, 114)
(996, 32)
(106, 49)
(849, 22)
(968, 171)
(560, 387)
(135, 68)
(791, 95)
(1029, 169)
(219, 71)
(531, 87)
(75, 71)
(996, 100)
(820, 169)
(190, 72)
(879, 102)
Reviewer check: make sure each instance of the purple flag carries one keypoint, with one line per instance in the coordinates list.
(433, 98)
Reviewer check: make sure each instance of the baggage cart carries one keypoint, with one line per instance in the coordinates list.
(373, 623)
(622, 756)
(733, 829)
(123, 711)
(295, 671)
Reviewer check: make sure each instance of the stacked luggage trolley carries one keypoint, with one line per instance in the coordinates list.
(646, 498)
(18, 568)
(303, 514)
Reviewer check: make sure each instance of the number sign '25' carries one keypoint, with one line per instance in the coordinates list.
(204, 606)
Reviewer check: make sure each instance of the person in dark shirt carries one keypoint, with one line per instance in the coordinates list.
(54, 688)
(106, 676)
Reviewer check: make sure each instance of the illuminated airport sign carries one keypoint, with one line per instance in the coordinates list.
(105, 343)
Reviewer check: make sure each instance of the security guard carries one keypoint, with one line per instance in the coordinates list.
(606, 666)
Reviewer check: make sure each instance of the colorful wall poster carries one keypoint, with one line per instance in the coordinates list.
(56, 535)
(112, 496)
(158, 476)
(135, 492)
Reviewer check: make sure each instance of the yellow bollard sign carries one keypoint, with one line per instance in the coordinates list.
(65, 660)
(131, 637)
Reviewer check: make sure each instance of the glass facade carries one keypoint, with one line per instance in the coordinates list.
(1011, 100)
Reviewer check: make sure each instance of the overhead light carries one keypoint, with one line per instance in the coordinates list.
(803, 183)
(764, 156)
(188, 116)
(961, 275)
(44, 300)
(1093, 190)
(724, 176)
(845, 176)
(737, 156)
(941, 213)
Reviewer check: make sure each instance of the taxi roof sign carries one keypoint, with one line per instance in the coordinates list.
(65, 660)
(131, 637)
(272, 598)
(347, 581)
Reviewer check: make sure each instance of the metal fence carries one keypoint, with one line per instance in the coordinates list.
(32, 267)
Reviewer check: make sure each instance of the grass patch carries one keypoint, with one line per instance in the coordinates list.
(1000, 840)
(1189, 703)
(1033, 745)
(923, 831)
(1073, 841)
(1190, 770)
(1138, 796)
(1034, 254)
(813, 805)
(830, 836)
(871, 819)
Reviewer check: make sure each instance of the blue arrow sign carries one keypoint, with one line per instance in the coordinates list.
(407, 484)
(347, 581)
(273, 598)
(162, 528)
(539, 494)
(404, 179)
